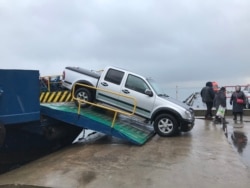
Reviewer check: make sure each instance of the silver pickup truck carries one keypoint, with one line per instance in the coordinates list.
(167, 115)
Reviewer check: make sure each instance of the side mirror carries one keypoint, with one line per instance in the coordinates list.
(149, 92)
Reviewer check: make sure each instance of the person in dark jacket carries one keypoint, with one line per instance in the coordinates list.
(207, 95)
(238, 107)
(220, 100)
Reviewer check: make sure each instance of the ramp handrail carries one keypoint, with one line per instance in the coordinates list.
(115, 110)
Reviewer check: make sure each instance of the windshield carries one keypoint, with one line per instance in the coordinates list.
(158, 90)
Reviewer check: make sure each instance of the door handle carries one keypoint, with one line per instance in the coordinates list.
(1, 92)
(125, 91)
(104, 84)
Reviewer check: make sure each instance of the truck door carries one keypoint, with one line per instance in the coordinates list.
(109, 86)
(136, 87)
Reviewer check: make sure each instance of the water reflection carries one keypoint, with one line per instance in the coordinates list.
(239, 140)
(224, 127)
(237, 135)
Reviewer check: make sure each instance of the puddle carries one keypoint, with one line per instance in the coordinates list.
(238, 135)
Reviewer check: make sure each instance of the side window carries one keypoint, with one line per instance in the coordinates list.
(135, 83)
(114, 76)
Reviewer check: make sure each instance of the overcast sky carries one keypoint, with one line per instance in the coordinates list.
(182, 43)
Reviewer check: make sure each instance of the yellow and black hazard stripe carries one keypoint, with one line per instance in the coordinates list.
(56, 96)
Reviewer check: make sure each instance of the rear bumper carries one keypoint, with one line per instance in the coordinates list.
(66, 84)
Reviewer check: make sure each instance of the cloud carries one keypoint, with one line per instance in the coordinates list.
(180, 42)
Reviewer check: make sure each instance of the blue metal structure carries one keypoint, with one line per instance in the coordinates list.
(24, 136)
(19, 96)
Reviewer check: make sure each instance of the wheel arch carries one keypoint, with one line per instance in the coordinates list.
(93, 91)
(169, 111)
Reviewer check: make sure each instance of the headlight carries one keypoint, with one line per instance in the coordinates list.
(188, 114)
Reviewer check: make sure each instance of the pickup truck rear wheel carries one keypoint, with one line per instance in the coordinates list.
(165, 125)
(83, 94)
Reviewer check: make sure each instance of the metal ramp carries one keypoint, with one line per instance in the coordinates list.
(99, 120)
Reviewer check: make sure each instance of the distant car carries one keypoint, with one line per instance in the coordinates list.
(246, 91)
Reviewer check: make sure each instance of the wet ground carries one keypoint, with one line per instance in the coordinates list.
(206, 157)
(238, 135)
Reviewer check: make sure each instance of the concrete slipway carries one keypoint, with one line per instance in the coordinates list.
(202, 158)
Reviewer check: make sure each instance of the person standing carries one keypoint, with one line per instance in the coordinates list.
(207, 95)
(238, 100)
(220, 100)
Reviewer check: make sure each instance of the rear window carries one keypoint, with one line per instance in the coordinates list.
(114, 76)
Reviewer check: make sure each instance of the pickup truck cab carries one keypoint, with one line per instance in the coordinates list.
(168, 116)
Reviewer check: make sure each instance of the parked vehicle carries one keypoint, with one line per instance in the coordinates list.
(116, 87)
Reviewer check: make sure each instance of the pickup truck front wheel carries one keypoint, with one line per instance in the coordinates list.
(83, 94)
(165, 125)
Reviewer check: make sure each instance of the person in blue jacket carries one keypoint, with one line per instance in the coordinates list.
(207, 95)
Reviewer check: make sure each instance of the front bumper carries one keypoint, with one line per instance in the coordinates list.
(187, 125)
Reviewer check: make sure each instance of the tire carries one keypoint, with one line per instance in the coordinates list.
(166, 125)
(83, 94)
